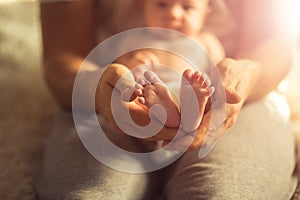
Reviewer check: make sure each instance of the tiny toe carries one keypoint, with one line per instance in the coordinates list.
(188, 74)
(138, 92)
(138, 86)
(211, 90)
(142, 81)
(207, 82)
(196, 77)
(201, 79)
(142, 100)
(186, 77)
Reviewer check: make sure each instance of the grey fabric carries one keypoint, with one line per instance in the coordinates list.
(70, 172)
(253, 160)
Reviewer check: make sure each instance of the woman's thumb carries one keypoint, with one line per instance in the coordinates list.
(232, 96)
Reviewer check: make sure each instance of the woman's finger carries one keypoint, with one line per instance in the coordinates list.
(232, 96)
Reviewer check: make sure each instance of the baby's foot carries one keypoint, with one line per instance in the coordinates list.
(155, 92)
(194, 93)
(130, 93)
(125, 85)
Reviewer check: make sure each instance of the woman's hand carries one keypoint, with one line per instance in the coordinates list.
(139, 113)
(238, 76)
(138, 58)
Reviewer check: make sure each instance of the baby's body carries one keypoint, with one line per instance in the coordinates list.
(187, 17)
(184, 108)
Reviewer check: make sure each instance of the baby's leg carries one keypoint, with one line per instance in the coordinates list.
(154, 92)
(194, 93)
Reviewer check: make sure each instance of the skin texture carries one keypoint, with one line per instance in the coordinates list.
(185, 16)
(257, 64)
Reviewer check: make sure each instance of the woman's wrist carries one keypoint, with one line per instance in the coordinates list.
(252, 76)
(240, 77)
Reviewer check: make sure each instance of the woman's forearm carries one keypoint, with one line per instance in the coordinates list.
(67, 39)
(271, 63)
(60, 73)
(265, 39)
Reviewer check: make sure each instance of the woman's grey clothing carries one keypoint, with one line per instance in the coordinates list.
(253, 160)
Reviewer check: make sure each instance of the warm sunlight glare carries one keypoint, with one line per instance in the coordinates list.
(291, 13)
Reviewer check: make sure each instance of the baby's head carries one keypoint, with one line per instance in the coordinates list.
(185, 16)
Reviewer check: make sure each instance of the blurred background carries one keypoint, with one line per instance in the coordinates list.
(27, 108)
